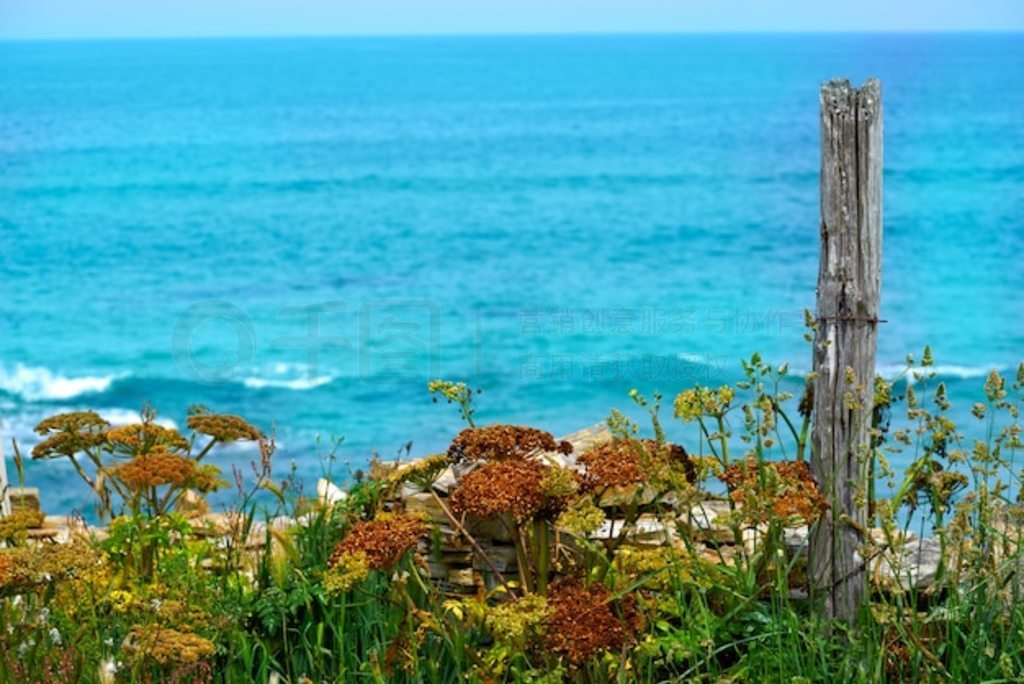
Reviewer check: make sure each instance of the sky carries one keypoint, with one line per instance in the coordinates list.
(33, 19)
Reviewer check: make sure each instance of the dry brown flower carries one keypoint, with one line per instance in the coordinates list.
(581, 622)
(225, 427)
(166, 646)
(383, 541)
(158, 467)
(141, 438)
(69, 433)
(503, 442)
(73, 421)
(500, 487)
(782, 490)
(624, 462)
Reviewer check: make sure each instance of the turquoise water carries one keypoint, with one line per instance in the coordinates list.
(557, 220)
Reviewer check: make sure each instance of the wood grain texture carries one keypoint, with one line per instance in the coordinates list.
(849, 283)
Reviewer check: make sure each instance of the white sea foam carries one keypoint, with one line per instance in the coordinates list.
(947, 371)
(32, 383)
(297, 384)
(122, 416)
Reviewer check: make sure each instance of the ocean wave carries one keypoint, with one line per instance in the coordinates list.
(35, 383)
(122, 416)
(942, 371)
(297, 384)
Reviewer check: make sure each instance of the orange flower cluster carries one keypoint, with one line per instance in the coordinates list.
(503, 442)
(158, 467)
(500, 487)
(383, 541)
(69, 433)
(140, 438)
(782, 490)
(623, 462)
(581, 623)
(225, 427)
(7, 566)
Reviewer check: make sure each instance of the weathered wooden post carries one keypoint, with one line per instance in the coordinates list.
(849, 282)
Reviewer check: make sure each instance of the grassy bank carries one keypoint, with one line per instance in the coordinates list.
(580, 563)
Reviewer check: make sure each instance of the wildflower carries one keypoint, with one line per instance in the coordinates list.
(142, 438)
(14, 526)
(582, 519)
(783, 490)
(120, 600)
(69, 433)
(422, 473)
(383, 541)
(346, 571)
(520, 621)
(502, 487)
(503, 442)
(224, 427)
(581, 623)
(698, 402)
(166, 646)
(624, 462)
(55, 636)
(156, 468)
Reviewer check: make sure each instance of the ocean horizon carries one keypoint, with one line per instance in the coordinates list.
(306, 231)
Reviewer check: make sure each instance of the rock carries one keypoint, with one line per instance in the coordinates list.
(914, 566)
(328, 493)
(581, 440)
(462, 577)
(502, 556)
(705, 522)
(23, 499)
(423, 503)
(648, 530)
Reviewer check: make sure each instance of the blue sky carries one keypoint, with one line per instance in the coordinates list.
(143, 18)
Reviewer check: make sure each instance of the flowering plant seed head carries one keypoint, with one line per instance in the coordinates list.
(503, 442)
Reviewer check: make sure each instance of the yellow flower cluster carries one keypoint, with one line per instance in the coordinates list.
(14, 526)
(520, 621)
(348, 570)
(698, 402)
(166, 647)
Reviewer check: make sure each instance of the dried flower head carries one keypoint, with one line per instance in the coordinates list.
(141, 438)
(156, 468)
(29, 566)
(500, 487)
(624, 462)
(69, 433)
(73, 421)
(581, 623)
(165, 646)
(503, 442)
(782, 490)
(224, 427)
(383, 541)
(15, 526)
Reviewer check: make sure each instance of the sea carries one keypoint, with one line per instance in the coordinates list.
(306, 231)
